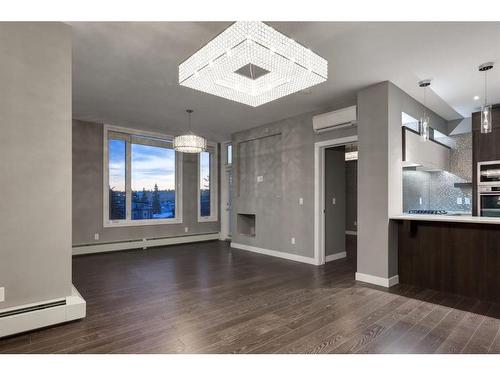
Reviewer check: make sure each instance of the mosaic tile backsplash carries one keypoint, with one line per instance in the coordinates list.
(424, 190)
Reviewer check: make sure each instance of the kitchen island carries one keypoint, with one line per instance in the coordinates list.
(450, 253)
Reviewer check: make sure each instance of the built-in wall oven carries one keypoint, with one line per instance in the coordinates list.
(488, 188)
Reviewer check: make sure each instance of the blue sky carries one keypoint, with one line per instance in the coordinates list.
(150, 166)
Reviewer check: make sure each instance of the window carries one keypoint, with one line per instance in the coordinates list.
(229, 154)
(142, 179)
(207, 179)
(117, 179)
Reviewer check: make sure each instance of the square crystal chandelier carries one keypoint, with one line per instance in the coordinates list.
(253, 64)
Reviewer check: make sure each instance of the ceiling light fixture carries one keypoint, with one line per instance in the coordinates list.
(190, 143)
(486, 125)
(252, 63)
(424, 120)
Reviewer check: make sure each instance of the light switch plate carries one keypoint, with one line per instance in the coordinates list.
(260, 178)
(301, 201)
(2, 294)
(293, 241)
(334, 201)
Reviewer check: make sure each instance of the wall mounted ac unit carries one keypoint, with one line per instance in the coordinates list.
(334, 120)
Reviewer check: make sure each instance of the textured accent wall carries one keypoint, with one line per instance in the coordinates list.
(435, 191)
(461, 156)
(283, 154)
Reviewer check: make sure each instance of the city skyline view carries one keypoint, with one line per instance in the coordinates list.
(150, 166)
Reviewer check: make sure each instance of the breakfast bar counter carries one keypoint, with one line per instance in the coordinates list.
(454, 254)
(449, 218)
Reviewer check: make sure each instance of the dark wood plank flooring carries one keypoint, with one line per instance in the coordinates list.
(208, 298)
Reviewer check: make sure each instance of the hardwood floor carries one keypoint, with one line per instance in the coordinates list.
(208, 298)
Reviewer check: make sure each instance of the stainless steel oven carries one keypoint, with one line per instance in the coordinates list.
(488, 173)
(488, 188)
(488, 201)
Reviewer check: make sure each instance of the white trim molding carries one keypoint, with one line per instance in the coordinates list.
(36, 316)
(376, 280)
(274, 253)
(332, 257)
(319, 197)
(142, 243)
(212, 150)
(130, 136)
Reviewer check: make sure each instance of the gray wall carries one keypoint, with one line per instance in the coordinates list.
(283, 153)
(380, 173)
(35, 162)
(88, 196)
(335, 188)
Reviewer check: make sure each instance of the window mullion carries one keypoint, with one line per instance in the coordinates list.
(128, 181)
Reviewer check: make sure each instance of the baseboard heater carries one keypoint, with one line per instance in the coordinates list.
(33, 308)
(143, 243)
(40, 314)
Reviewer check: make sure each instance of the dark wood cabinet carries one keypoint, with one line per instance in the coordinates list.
(460, 258)
(485, 147)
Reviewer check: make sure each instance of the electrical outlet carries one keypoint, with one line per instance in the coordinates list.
(96, 236)
(301, 201)
(186, 229)
(2, 294)
(420, 200)
(293, 241)
(260, 178)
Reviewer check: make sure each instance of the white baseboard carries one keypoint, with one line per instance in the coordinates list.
(274, 253)
(381, 281)
(142, 244)
(75, 308)
(351, 232)
(332, 257)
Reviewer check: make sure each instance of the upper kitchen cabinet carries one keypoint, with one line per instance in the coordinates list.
(486, 146)
(429, 154)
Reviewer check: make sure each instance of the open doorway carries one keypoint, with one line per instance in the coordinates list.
(340, 209)
(336, 200)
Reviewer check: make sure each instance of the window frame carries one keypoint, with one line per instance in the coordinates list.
(227, 145)
(214, 178)
(129, 135)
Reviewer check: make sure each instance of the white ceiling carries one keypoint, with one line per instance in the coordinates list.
(127, 73)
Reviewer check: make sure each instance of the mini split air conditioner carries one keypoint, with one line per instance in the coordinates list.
(334, 120)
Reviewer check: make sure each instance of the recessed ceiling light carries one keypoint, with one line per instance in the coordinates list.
(252, 63)
(476, 97)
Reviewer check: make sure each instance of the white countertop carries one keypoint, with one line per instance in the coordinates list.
(449, 218)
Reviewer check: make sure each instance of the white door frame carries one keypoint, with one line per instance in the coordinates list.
(319, 194)
(225, 216)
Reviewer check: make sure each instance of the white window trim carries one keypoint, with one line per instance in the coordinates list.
(214, 178)
(128, 222)
(225, 153)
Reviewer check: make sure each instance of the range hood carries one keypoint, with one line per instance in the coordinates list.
(430, 156)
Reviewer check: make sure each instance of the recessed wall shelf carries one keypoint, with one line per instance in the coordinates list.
(245, 224)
